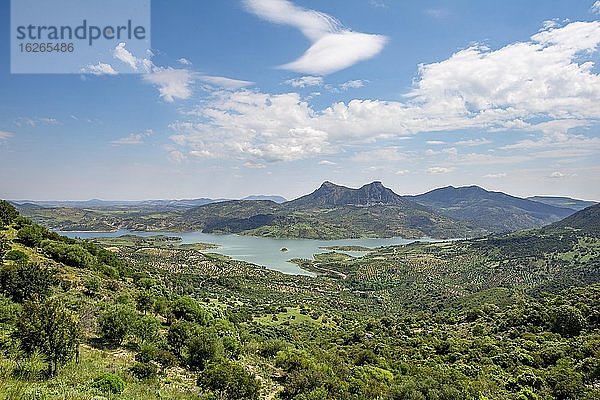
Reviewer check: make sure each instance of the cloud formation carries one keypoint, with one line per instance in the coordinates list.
(4, 135)
(333, 48)
(172, 83)
(545, 87)
(224, 82)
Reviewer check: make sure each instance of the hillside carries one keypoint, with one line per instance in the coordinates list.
(330, 212)
(586, 222)
(152, 318)
(494, 211)
(564, 202)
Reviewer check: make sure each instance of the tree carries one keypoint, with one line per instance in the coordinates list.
(117, 322)
(230, 380)
(204, 347)
(47, 327)
(189, 309)
(568, 321)
(8, 213)
(146, 329)
(24, 280)
(144, 301)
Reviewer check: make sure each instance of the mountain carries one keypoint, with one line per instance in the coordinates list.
(330, 212)
(565, 202)
(586, 221)
(332, 195)
(276, 199)
(494, 211)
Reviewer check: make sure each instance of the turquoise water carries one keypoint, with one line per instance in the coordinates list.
(259, 250)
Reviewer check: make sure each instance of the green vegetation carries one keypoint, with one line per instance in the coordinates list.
(504, 317)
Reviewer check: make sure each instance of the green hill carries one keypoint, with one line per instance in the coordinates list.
(494, 211)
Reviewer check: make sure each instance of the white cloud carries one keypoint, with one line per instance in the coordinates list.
(515, 87)
(402, 172)
(353, 84)
(124, 55)
(224, 82)
(495, 176)
(254, 165)
(326, 162)
(333, 48)
(50, 121)
(435, 142)
(4, 135)
(473, 142)
(100, 69)
(134, 138)
(172, 83)
(561, 175)
(305, 81)
(595, 9)
(439, 170)
(184, 61)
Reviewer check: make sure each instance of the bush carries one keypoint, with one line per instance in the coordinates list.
(230, 380)
(8, 213)
(117, 322)
(71, 254)
(24, 280)
(32, 235)
(146, 329)
(202, 348)
(109, 383)
(190, 310)
(15, 255)
(144, 370)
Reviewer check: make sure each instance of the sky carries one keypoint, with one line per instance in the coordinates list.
(242, 97)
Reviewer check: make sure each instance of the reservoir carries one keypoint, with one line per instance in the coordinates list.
(264, 251)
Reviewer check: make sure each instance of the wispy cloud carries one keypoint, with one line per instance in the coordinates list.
(333, 48)
(473, 142)
(326, 162)
(224, 82)
(5, 135)
(439, 170)
(495, 176)
(184, 61)
(353, 84)
(595, 9)
(134, 138)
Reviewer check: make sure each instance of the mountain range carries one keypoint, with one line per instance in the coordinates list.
(330, 212)
(493, 211)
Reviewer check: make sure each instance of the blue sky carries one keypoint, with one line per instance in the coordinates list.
(274, 97)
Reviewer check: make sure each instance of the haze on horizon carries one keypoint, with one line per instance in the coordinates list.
(239, 101)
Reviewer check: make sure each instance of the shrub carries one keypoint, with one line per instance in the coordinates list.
(32, 235)
(190, 310)
(71, 254)
(15, 255)
(230, 380)
(144, 370)
(109, 383)
(24, 280)
(117, 322)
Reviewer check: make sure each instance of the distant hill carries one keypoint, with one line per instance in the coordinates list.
(494, 211)
(276, 199)
(586, 221)
(96, 204)
(565, 202)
